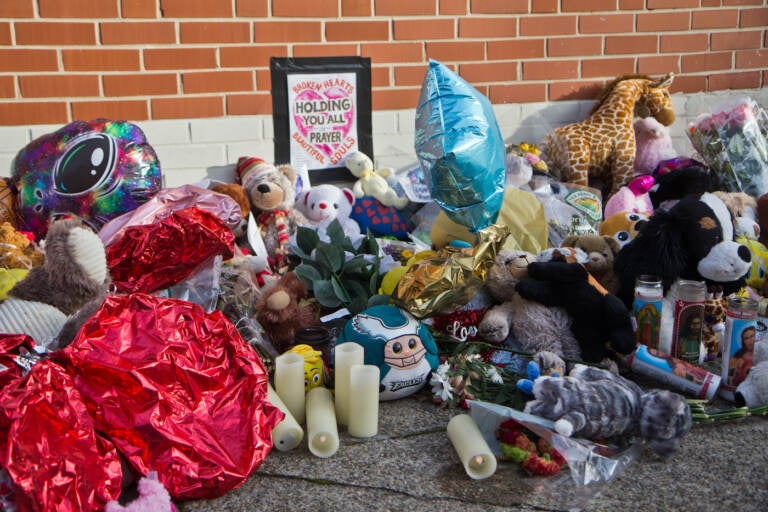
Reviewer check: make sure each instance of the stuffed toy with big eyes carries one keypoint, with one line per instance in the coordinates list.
(623, 226)
(399, 344)
(95, 170)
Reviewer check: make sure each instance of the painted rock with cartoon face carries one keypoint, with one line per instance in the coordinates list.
(95, 170)
(399, 344)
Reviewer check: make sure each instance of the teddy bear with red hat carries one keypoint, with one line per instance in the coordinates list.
(272, 193)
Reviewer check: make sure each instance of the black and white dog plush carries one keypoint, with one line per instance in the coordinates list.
(692, 240)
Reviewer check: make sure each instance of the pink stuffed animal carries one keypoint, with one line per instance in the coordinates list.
(653, 145)
(153, 497)
(633, 197)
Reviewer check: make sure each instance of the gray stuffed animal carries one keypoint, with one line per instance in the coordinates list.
(73, 275)
(534, 326)
(597, 404)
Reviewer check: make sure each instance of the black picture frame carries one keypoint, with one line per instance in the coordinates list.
(283, 67)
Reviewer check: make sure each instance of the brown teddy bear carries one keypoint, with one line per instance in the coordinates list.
(272, 194)
(282, 309)
(18, 251)
(534, 327)
(601, 251)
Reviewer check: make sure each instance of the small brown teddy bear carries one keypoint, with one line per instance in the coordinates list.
(272, 194)
(17, 250)
(282, 309)
(601, 251)
(533, 326)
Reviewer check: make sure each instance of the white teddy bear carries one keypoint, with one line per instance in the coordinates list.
(324, 203)
(372, 182)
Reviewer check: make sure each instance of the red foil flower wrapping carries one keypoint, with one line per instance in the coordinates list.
(155, 256)
(177, 391)
(49, 445)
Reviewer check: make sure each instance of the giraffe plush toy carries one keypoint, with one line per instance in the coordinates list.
(603, 145)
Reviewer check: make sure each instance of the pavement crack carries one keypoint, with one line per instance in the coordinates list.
(400, 492)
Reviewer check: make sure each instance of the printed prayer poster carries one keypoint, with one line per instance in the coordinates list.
(321, 113)
(323, 123)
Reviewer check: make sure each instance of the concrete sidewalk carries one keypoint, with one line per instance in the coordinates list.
(410, 465)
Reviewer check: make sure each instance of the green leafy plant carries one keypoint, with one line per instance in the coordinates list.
(338, 274)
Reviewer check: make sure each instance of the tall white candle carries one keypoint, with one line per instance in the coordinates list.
(363, 400)
(345, 356)
(289, 383)
(322, 433)
(288, 433)
(474, 453)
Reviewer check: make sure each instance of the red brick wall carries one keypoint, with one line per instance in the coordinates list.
(168, 59)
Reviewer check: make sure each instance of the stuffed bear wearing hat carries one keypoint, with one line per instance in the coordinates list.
(534, 326)
(73, 275)
(272, 193)
(372, 182)
(596, 404)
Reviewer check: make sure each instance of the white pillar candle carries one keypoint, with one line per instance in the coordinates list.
(322, 433)
(364, 400)
(345, 356)
(289, 383)
(474, 453)
(288, 433)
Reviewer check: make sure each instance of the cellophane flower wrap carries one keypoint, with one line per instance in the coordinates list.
(591, 466)
(732, 142)
(50, 446)
(177, 391)
(155, 256)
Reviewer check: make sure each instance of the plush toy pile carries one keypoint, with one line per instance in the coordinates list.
(116, 290)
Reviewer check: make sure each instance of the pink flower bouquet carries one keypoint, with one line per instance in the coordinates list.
(732, 142)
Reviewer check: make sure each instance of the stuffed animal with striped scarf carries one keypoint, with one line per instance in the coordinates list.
(272, 193)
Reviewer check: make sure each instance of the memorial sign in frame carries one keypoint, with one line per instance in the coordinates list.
(321, 111)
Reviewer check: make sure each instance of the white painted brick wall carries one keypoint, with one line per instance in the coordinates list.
(191, 150)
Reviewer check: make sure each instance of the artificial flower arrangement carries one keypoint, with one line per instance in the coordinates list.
(732, 142)
(534, 454)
